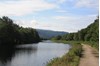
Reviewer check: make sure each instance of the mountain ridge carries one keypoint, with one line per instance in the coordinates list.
(47, 34)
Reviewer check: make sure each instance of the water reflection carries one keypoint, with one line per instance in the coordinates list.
(32, 54)
(7, 53)
(26, 49)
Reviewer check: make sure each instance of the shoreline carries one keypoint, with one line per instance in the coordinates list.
(73, 53)
(70, 58)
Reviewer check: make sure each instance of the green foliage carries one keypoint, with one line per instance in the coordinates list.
(11, 34)
(92, 43)
(75, 37)
(70, 36)
(90, 34)
(56, 38)
(28, 35)
(69, 59)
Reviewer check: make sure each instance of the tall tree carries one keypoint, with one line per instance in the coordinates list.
(11, 34)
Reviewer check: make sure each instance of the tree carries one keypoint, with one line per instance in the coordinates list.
(91, 33)
(11, 34)
(76, 38)
(8, 33)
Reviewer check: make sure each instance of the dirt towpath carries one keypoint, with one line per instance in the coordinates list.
(90, 56)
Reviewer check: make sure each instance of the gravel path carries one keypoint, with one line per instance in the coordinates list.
(90, 56)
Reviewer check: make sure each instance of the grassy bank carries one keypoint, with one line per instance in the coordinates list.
(92, 44)
(69, 59)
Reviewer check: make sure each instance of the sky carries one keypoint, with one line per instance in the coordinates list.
(57, 15)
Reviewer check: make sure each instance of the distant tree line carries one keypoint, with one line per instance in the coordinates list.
(91, 33)
(12, 34)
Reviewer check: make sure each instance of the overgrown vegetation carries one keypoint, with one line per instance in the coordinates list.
(12, 34)
(69, 59)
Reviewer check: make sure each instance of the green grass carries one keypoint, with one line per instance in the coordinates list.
(69, 59)
(92, 44)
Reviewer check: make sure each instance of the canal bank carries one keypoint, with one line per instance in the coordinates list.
(71, 58)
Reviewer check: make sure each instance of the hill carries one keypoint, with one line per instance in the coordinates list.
(47, 34)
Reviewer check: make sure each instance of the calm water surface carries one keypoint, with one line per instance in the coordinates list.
(32, 54)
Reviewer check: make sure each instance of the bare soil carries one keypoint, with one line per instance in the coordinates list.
(90, 56)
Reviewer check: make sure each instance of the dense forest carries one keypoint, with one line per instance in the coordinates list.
(90, 33)
(12, 34)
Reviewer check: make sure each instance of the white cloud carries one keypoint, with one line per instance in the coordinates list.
(61, 11)
(61, 1)
(74, 18)
(61, 17)
(40, 25)
(87, 3)
(27, 23)
(23, 7)
(57, 1)
(74, 23)
(60, 23)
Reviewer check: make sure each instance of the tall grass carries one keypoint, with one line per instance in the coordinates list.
(69, 59)
(92, 44)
